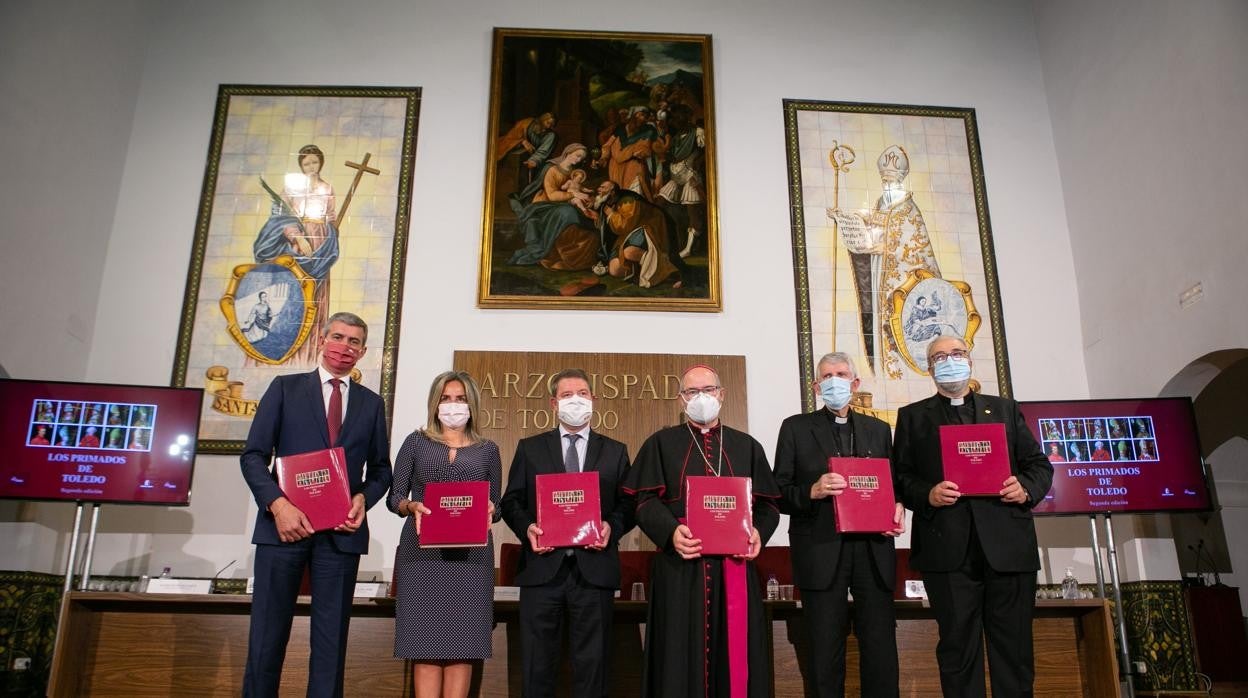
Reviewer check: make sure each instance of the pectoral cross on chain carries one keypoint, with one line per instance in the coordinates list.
(360, 168)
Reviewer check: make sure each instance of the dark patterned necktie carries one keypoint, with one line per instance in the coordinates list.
(571, 461)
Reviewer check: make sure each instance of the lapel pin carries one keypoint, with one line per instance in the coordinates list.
(987, 411)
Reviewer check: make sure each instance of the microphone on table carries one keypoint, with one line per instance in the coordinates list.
(212, 582)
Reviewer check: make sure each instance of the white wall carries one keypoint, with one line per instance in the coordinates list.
(1227, 464)
(1146, 100)
(69, 73)
(977, 54)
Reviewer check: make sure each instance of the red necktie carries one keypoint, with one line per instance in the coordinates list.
(334, 416)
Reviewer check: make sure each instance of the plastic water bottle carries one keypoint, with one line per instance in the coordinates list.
(1070, 585)
(773, 588)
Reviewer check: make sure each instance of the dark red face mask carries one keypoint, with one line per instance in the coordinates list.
(340, 357)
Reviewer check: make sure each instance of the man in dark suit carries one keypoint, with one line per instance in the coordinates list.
(978, 555)
(301, 413)
(828, 564)
(576, 583)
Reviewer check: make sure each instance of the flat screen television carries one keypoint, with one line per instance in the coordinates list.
(1120, 456)
(92, 442)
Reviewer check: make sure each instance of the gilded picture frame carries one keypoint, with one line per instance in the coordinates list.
(600, 186)
(892, 246)
(303, 213)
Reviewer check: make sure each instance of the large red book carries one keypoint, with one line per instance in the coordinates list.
(569, 510)
(459, 515)
(316, 482)
(976, 457)
(867, 504)
(719, 511)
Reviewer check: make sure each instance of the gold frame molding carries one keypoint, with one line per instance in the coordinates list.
(500, 285)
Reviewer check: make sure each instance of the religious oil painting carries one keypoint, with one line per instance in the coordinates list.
(600, 188)
(303, 213)
(892, 246)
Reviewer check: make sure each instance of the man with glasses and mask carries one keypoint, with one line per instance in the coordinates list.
(978, 555)
(577, 584)
(828, 565)
(704, 633)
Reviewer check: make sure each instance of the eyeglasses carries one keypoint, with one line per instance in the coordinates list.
(943, 356)
(691, 393)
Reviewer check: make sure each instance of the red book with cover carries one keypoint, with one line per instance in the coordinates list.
(569, 511)
(459, 515)
(976, 457)
(867, 505)
(719, 511)
(316, 482)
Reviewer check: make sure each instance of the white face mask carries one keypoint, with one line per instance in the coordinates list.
(703, 409)
(575, 411)
(453, 415)
(836, 392)
(952, 375)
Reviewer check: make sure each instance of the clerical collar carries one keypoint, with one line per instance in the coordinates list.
(836, 418)
(705, 430)
(955, 401)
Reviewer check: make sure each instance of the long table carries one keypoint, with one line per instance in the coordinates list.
(191, 645)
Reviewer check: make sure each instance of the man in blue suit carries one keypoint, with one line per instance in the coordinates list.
(302, 413)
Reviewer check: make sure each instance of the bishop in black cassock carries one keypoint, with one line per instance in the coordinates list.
(691, 604)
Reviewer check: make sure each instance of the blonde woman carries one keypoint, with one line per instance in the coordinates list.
(445, 608)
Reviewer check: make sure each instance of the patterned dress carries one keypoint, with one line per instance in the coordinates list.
(445, 596)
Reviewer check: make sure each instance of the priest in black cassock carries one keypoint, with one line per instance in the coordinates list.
(978, 555)
(829, 565)
(705, 633)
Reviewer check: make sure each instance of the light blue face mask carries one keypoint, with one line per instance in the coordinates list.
(952, 370)
(836, 392)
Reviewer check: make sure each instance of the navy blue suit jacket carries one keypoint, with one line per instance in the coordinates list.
(543, 454)
(290, 420)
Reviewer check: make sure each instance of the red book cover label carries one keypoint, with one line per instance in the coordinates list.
(459, 515)
(569, 509)
(719, 511)
(316, 482)
(867, 504)
(976, 457)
